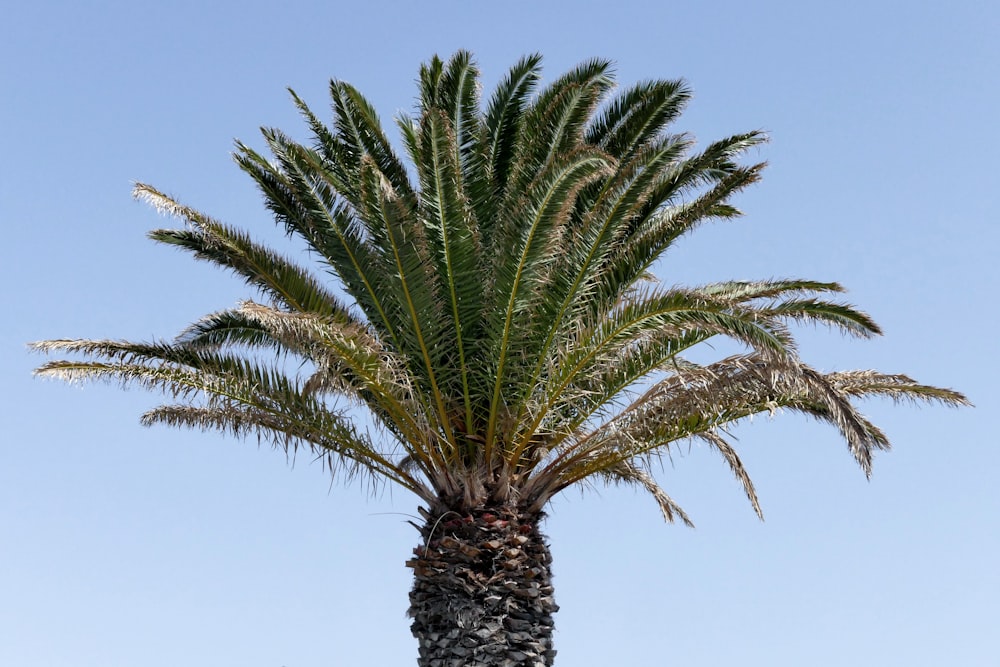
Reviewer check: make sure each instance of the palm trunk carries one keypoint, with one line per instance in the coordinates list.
(482, 591)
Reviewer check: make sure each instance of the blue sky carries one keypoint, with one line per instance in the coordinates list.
(129, 546)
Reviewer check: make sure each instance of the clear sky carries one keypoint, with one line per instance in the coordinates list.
(123, 546)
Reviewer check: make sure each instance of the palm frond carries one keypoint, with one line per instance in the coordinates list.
(453, 238)
(340, 163)
(696, 400)
(896, 387)
(276, 276)
(422, 328)
(265, 398)
(842, 316)
(638, 116)
(361, 132)
(228, 327)
(732, 458)
(654, 233)
(629, 472)
(303, 196)
(742, 291)
(503, 119)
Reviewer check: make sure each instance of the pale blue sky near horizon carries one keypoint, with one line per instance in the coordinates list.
(124, 546)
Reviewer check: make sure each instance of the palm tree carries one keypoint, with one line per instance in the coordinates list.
(501, 324)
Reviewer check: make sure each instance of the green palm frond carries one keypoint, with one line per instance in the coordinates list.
(361, 132)
(816, 311)
(276, 276)
(454, 91)
(503, 121)
(453, 238)
(653, 234)
(741, 291)
(230, 327)
(638, 116)
(304, 197)
(339, 162)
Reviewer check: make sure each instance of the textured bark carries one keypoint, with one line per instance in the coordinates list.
(482, 591)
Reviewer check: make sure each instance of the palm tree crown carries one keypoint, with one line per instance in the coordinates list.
(501, 321)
